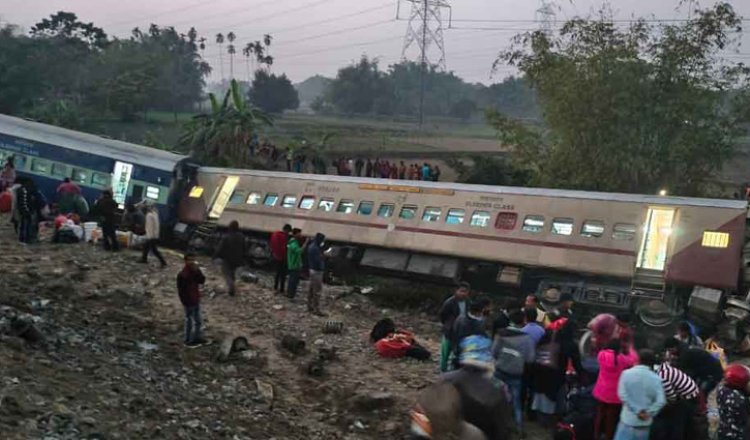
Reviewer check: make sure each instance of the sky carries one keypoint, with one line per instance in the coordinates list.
(320, 36)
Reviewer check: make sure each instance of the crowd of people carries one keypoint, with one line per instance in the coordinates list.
(530, 358)
(383, 169)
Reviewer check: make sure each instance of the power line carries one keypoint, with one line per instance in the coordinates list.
(337, 32)
(533, 21)
(160, 14)
(269, 16)
(328, 20)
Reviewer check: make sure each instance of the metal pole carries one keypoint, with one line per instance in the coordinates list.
(424, 64)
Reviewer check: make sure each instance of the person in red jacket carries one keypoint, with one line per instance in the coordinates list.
(189, 281)
(278, 253)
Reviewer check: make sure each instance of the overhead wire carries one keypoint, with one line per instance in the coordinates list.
(328, 20)
(245, 23)
(160, 14)
(337, 32)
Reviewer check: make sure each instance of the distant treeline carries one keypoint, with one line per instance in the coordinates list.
(65, 69)
(363, 88)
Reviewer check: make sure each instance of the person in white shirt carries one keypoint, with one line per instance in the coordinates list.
(152, 236)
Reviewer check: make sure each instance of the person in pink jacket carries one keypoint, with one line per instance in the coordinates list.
(613, 360)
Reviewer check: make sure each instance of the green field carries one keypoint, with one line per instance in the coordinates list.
(352, 135)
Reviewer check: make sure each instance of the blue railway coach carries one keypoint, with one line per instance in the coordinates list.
(48, 154)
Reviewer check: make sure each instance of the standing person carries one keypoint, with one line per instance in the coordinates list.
(385, 170)
(368, 168)
(106, 209)
(189, 281)
(289, 159)
(394, 172)
(376, 168)
(674, 420)
(402, 171)
(358, 165)
(24, 210)
(734, 404)
(470, 324)
(133, 220)
(642, 396)
(68, 187)
(231, 251)
(687, 335)
(278, 244)
(613, 360)
(153, 232)
(426, 171)
(294, 261)
(452, 308)
(8, 175)
(565, 309)
(436, 174)
(697, 363)
(513, 351)
(316, 263)
(532, 326)
(533, 302)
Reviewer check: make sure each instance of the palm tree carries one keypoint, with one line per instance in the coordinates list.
(220, 42)
(231, 37)
(221, 137)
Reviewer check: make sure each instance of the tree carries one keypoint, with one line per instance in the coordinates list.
(635, 109)
(65, 26)
(220, 42)
(357, 87)
(273, 94)
(221, 138)
(231, 50)
(463, 108)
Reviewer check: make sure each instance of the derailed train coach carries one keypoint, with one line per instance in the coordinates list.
(650, 255)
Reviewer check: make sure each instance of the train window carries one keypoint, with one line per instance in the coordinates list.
(533, 223)
(592, 228)
(480, 219)
(715, 239)
(455, 216)
(237, 198)
(40, 166)
(307, 203)
(365, 208)
(562, 226)
(386, 210)
(408, 212)
(253, 198)
(271, 199)
(19, 161)
(289, 201)
(59, 170)
(506, 221)
(431, 214)
(345, 207)
(152, 192)
(326, 205)
(623, 231)
(80, 176)
(104, 180)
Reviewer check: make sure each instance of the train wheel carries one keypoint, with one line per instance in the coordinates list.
(655, 313)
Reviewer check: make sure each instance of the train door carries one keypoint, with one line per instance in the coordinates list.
(222, 196)
(121, 181)
(656, 233)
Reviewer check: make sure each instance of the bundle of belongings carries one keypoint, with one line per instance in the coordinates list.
(67, 230)
(394, 343)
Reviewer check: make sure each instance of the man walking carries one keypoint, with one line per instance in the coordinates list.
(452, 308)
(470, 324)
(231, 251)
(278, 253)
(642, 395)
(294, 261)
(106, 209)
(189, 281)
(152, 236)
(316, 263)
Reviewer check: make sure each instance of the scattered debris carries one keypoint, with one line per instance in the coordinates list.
(230, 345)
(265, 391)
(293, 345)
(333, 327)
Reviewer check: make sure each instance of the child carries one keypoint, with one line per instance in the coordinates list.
(732, 398)
(189, 281)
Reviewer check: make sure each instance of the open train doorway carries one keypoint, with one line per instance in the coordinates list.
(656, 233)
(222, 196)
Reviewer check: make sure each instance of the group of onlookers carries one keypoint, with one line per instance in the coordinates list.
(531, 359)
(384, 169)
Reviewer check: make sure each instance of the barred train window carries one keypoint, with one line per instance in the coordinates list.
(431, 214)
(39, 166)
(80, 176)
(365, 208)
(408, 212)
(237, 198)
(345, 206)
(533, 223)
(59, 170)
(455, 216)
(562, 226)
(271, 199)
(152, 192)
(253, 198)
(307, 203)
(289, 201)
(715, 239)
(623, 232)
(506, 221)
(326, 205)
(386, 210)
(592, 228)
(480, 219)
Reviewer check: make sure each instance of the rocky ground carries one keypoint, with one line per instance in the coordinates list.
(91, 347)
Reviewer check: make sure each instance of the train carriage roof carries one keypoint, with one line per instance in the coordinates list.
(510, 190)
(89, 143)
